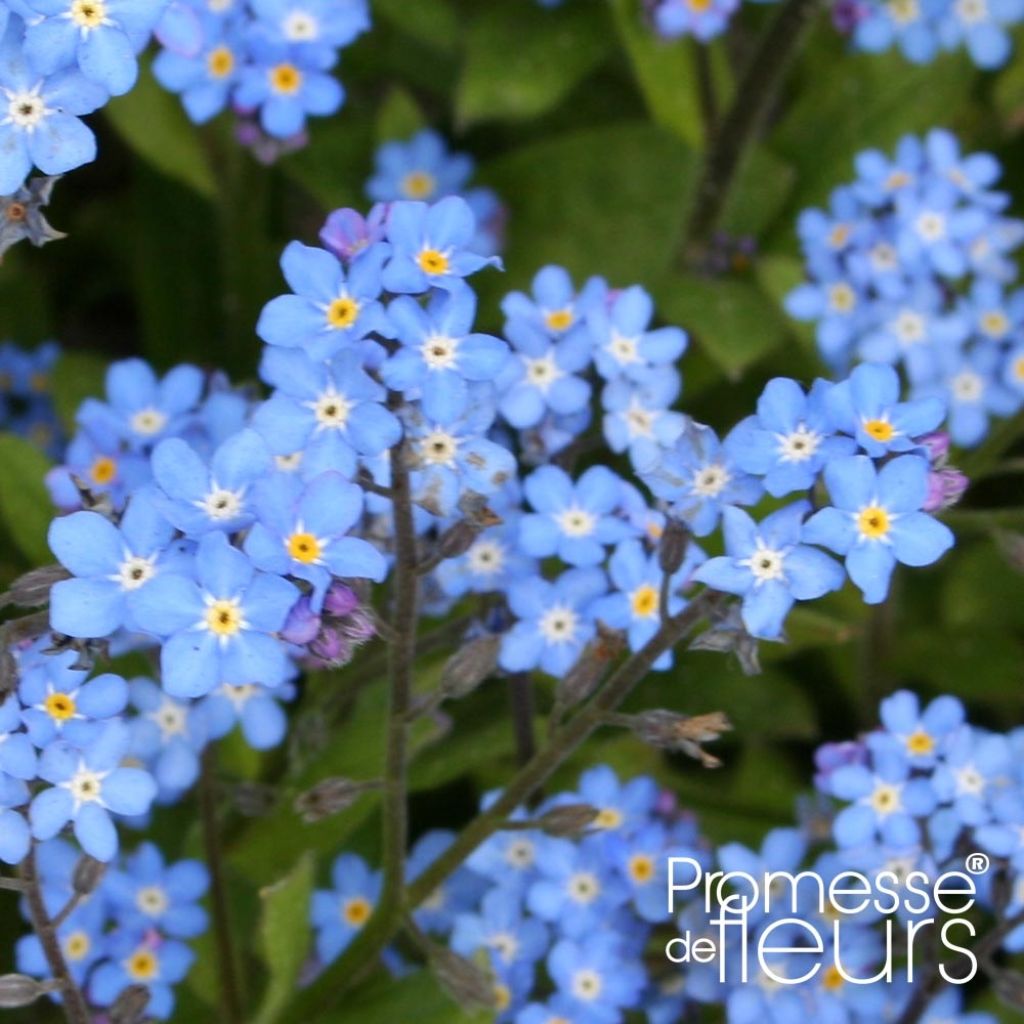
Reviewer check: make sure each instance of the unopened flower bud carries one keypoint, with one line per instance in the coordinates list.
(684, 733)
(87, 875)
(302, 624)
(130, 1007)
(675, 539)
(331, 796)
(340, 600)
(19, 990)
(936, 446)
(358, 627)
(469, 666)
(330, 649)
(946, 487)
(254, 799)
(470, 987)
(457, 539)
(570, 821)
(33, 589)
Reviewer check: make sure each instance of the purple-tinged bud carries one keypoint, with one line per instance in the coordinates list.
(330, 649)
(831, 756)
(936, 445)
(847, 15)
(358, 627)
(666, 804)
(347, 233)
(945, 488)
(302, 624)
(340, 600)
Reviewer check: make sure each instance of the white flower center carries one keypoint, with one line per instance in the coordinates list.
(584, 887)
(623, 350)
(970, 780)
(486, 558)
(909, 327)
(300, 27)
(25, 109)
(903, 12)
(439, 448)
(440, 352)
(995, 323)
(586, 985)
(221, 504)
(171, 719)
(883, 256)
(149, 421)
(542, 372)
(152, 900)
(135, 571)
(88, 14)
(520, 854)
(239, 694)
(639, 421)
(798, 446)
(288, 463)
(710, 481)
(85, 786)
(331, 410)
(841, 298)
(931, 226)
(576, 522)
(971, 12)
(765, 564)
(505, 945)
(967, 386)
(558, 625)
(885, 799)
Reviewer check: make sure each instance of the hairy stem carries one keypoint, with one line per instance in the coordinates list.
(227, 965)
(743, 120)
(72, 1001)
(520, 695)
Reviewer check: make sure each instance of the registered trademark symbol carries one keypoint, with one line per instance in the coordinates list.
(977, 863)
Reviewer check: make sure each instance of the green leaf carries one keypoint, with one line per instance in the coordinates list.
(152, 122)
(522, 60)
(284, 934)
(76, 377)
(399, 116)
(665, 72)
(433, 22)
(25, 505)
(414, 998)
(606, 201)
(758, 195)
(733, 321)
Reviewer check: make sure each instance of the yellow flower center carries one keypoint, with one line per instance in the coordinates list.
(342, 312)
(842, 298)
(60, 706)
(832, 979)
(880, 430)
(1018, 368)
(304, 547)
(559, 319)
(433, 262)
(885, 799)
(610, 817)
(103, 470)
(645, 601)
(88, 13)
(920, 742)
(142, 965)
(220, 62)
(224, 618)
(285, 79)
(77, 945)
(641, 868)
(994, 323)
(873, 522)
(418, 185)
(356, 912)
(700, 6)
(502, 997)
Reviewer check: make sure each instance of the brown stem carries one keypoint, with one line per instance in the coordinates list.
(72, 1001)
(520, 695)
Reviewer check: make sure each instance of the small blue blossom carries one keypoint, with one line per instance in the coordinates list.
(139, 958)
(339, 913)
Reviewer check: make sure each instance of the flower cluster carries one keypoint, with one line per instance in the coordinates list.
(127, 926)
(270, 61)
(921, 30)
(422, 168)
(60, 60)
(26, 404)
(910, 265)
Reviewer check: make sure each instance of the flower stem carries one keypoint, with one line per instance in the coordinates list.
(227, 973)
(72, 1001)
(738, 128)
(520, 695)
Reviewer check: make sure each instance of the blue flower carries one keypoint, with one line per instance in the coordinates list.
(331, 412)
(439, 354)
(86, 786)
(500, 927)
(875, 520)
(200, 495)
(41, 126)
(421, 168)
(621, 806)
(430, 246)
(554, 308)
(596, 977)
(887, 800)
(100, 36)
(147, 893)
(490, 564)
(256, 709)
(974, 767)
(623, 343)
(555, 621)
(302, 533)
(338, 914)
(637, 415)
(285, 82)
(572, 520)
(866, 406)
(768, 566)
(113, 567)
(330, 308)
(220, 626)
(921, 731)
(137, 958)
(324, 25)
(675, 18)
(699, 477)
(17, 753)
(789, 440)
(456, 895)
